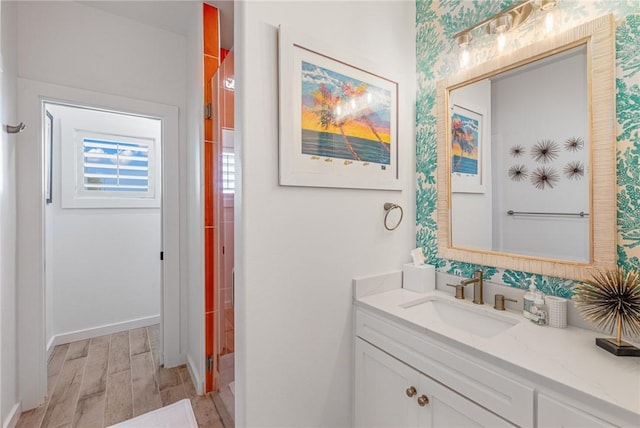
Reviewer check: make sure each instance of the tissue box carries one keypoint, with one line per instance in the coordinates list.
(419, 278)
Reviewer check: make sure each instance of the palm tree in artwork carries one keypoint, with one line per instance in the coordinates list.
(463, 138)
(329, 111)
(359, 92)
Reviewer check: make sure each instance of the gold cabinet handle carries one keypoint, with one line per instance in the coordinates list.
(423, 400)
(411, 391)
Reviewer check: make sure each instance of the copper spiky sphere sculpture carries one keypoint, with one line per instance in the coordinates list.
(610, 299)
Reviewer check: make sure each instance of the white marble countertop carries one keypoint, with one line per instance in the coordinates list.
(568, 356)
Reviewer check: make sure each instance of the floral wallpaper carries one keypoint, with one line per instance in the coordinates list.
(437, 57)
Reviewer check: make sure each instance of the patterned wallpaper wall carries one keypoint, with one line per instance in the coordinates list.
(437, 57)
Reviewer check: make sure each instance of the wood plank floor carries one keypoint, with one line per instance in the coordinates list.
(99, 382)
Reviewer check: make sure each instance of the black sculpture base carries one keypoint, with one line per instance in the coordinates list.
(622, 350)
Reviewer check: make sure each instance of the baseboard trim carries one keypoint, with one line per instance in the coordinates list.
(60, 339)
(12, 418)
(198, 382)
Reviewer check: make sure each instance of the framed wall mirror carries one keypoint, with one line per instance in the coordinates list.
(526, 157)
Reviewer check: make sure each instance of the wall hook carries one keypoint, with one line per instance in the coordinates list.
(16, 129)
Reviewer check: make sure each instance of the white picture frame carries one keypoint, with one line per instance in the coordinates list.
(338, 118)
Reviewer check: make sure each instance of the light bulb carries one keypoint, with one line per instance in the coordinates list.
(502, 42)
(548, 23)
(464, 58)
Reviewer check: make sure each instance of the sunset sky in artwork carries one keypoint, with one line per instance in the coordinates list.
(372, 101)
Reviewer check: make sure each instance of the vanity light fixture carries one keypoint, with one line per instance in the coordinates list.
(463, 39)
(504, 21)
(546, 5)
(500, 25)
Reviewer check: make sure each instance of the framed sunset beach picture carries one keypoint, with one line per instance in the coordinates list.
(466, 150)
(338, 120)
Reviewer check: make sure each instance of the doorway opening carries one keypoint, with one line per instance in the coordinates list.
(32, 313)
(102, 175)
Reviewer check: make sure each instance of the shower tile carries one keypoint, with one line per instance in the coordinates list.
(210, 27)
(209, 248)
(208, 183)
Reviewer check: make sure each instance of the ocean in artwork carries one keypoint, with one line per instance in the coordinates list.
(464, 165)
(328, 145)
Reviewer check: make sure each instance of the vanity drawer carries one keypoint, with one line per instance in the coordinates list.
(486, 385)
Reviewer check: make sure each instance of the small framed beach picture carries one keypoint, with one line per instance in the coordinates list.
(338, 119)
(466, 150)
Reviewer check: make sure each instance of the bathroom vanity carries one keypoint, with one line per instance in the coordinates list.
(430, 360)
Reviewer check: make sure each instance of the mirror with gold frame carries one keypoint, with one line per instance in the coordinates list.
(461, 191)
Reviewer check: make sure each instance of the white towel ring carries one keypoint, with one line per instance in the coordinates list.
(388, 207)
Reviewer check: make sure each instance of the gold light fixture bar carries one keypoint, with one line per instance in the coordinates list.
(504, 21)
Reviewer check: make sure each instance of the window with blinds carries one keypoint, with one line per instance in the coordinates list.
(228, 172)
(115, 166)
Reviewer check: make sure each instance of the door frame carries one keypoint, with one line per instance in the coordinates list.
(32, 352)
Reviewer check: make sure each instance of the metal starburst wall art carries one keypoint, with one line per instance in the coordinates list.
(518, 173)
(610, 298)
(545, 151)
(517, 150)
(574, 144)
(574, 170)
(545, 176)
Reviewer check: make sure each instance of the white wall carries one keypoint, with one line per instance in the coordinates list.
(70, 44)
(471, 213)
(297, 249)
(550, 92)
(194, 299)
(105, 262)
(8, 115)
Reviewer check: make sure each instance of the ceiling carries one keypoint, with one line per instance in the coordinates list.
(169, 15)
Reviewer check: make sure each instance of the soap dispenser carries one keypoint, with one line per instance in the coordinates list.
(528, 300)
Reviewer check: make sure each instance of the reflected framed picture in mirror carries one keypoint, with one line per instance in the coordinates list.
(466, 149)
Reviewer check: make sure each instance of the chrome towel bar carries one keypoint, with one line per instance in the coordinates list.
(580, 214)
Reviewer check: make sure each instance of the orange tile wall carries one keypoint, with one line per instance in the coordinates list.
(211, 62)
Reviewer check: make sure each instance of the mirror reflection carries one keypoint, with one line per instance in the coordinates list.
(519, 147)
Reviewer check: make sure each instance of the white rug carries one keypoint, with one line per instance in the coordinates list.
(176, 415)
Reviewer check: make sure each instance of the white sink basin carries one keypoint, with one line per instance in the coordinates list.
(480, 321)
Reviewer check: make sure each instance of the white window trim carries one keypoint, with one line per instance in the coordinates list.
(72, 168)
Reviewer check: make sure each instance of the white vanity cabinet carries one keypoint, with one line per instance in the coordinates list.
(390, 393)
(458, 386)
(391, 358)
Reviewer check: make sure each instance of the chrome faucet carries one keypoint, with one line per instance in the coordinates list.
(477, 287)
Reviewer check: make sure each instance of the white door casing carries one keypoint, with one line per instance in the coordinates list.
(32, 375)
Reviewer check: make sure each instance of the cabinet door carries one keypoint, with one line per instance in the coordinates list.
(381, 400)
(555, 414)
(447, 408)
(381, 382)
